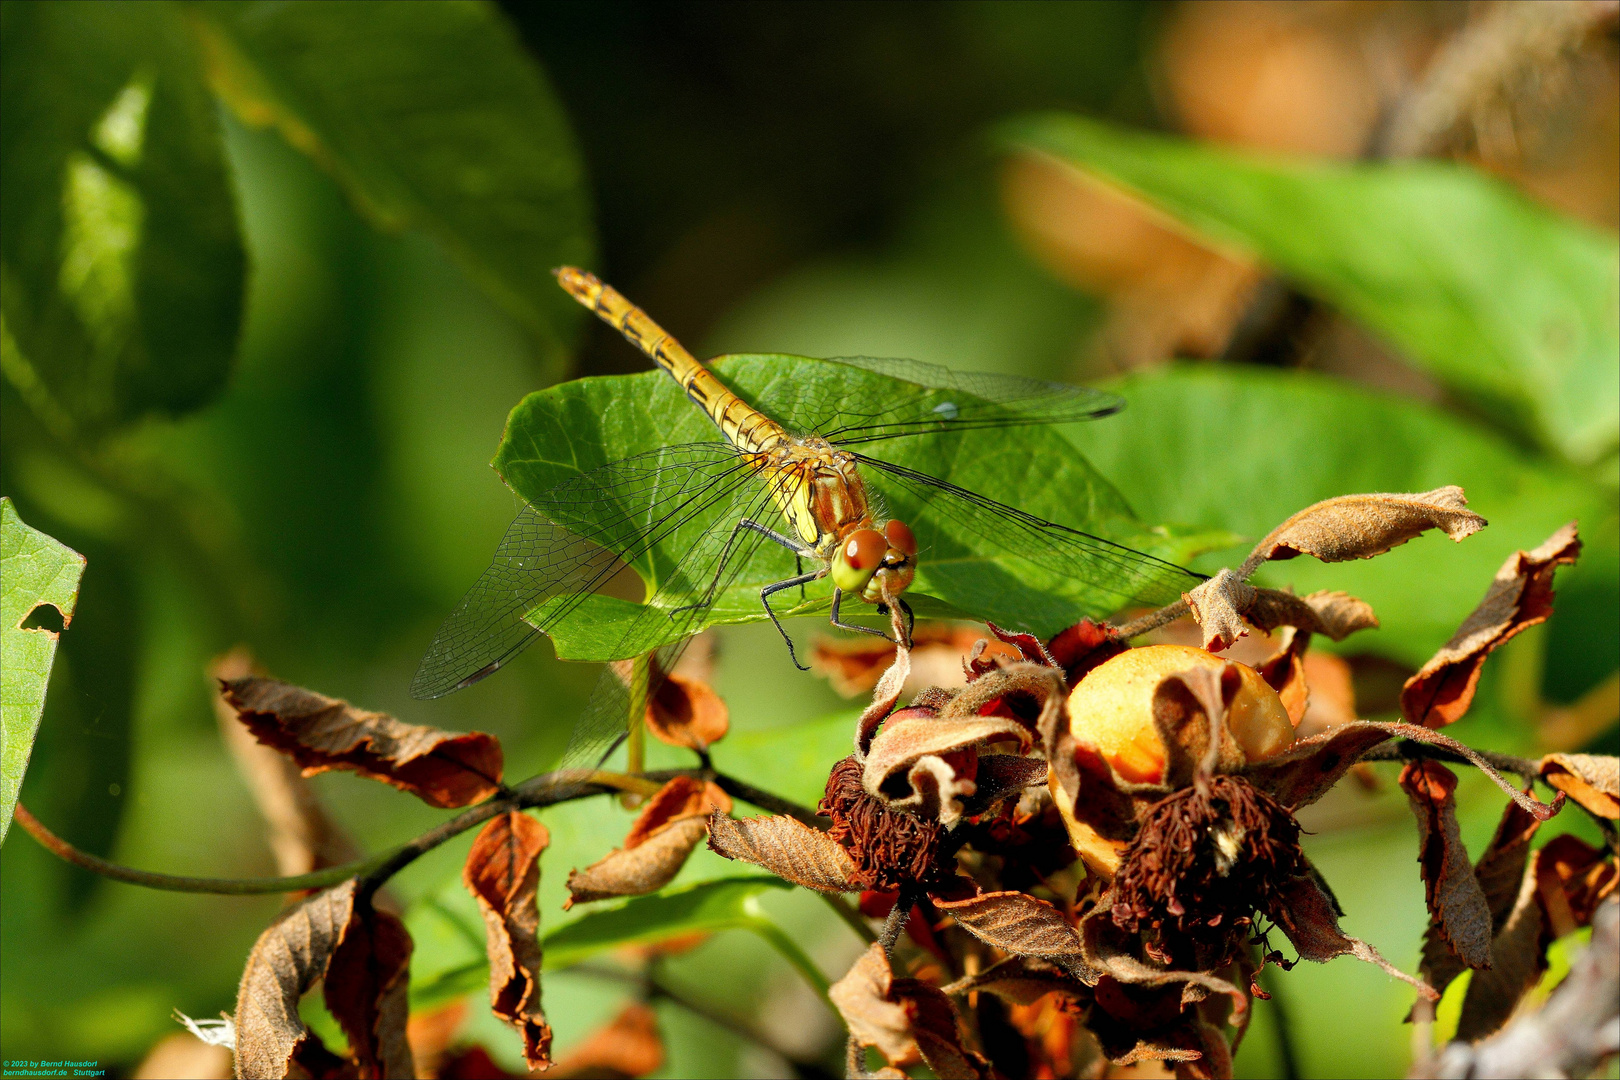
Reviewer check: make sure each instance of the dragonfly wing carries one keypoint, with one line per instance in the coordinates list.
(1120, 576)
(568, 543)
(941, 400)
(716, 561)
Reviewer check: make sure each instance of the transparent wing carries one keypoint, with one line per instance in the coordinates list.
(940, 400)
(570, 542)
(1122, 575)
(718, 558)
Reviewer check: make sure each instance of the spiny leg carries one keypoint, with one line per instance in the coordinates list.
(765, 599)
(838, 596)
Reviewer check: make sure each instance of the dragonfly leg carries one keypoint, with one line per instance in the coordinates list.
(745, 525)
(838, 595)
(765, 598)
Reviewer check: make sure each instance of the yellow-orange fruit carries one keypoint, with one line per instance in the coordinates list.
(1112, 709)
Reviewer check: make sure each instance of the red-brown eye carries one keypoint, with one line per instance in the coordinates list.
(864, 549)
(900, 538)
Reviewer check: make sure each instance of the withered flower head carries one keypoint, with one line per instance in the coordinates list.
(888, 847)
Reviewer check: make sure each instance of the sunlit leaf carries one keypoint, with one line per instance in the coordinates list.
(432, 117)
(1496, 296)
(35, 572)
(123, 266)
(560, 432)
(1244, 449)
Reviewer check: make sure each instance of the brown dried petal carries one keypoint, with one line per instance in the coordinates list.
(1518, 598)
(1457, 905)
(1593, 780)
(907, 1021)
(1336, 615)
(288, 959)
(1361, 526)
(787, 848)
(1014, 922)
(1306, 915)
(1218, 606)
(442, 768)
(687, 712)
(503, 874)
(629, 1046)
(366, 992)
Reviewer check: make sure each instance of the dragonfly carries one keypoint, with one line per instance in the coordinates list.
(809, 484)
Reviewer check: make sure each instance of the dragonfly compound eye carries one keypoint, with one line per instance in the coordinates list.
(900, 538)
(858, 559)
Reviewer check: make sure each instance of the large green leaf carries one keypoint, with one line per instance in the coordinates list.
(123, 268)
(1242, 449)
(563, 431)
(34, 570)
(432, 117)
(727, 904)
(1510, 303)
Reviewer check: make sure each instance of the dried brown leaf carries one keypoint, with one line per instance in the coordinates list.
(1593, 780)
(1218, 606)
(366, 992)
(1284, 672)
(787, 848)
(1573, 878)
(1336, 615)
(1518, 598)
(884, 696)
(503, 874)
(1361, 526)
(910, 763)
(1519, 955)
(682, 797)
(303, 835)
(685, 711)
(629, 1046)
(1014, 922)
(1331, 700)
(1188, 707)
(1110, 952)
(907, 1021)
(645, 868)
(288, 959)
(1022, 980)
(442, 768)
(1457, 905)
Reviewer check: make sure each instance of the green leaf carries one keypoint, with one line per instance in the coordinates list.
(1242, 449)
(1498, 297)
(34, 570)
(432, 117)
(727, 904)
(563, 431)
(123, 267)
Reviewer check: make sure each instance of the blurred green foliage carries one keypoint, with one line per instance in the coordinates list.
(288, 449)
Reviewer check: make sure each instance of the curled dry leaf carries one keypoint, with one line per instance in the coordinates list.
(910, 764)
(1458, 909)
(503, 874)
(303, 835)
(1518, 598)
(1519, 956)
(909, 1022)
(664, 835)
(686, 711)
(884, 696)
(1593, 780)
(1284, 672)
(442, 768)
(787, 848)
(1014, 922)
(1361, 526)
(362, 954)
(629, 1046)
(1021, 980)
(1307, 916)
(1218, 606)
(1336, 615)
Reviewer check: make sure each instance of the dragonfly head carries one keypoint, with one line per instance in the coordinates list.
(868, 562)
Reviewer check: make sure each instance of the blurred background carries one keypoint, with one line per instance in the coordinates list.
(812, 179)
